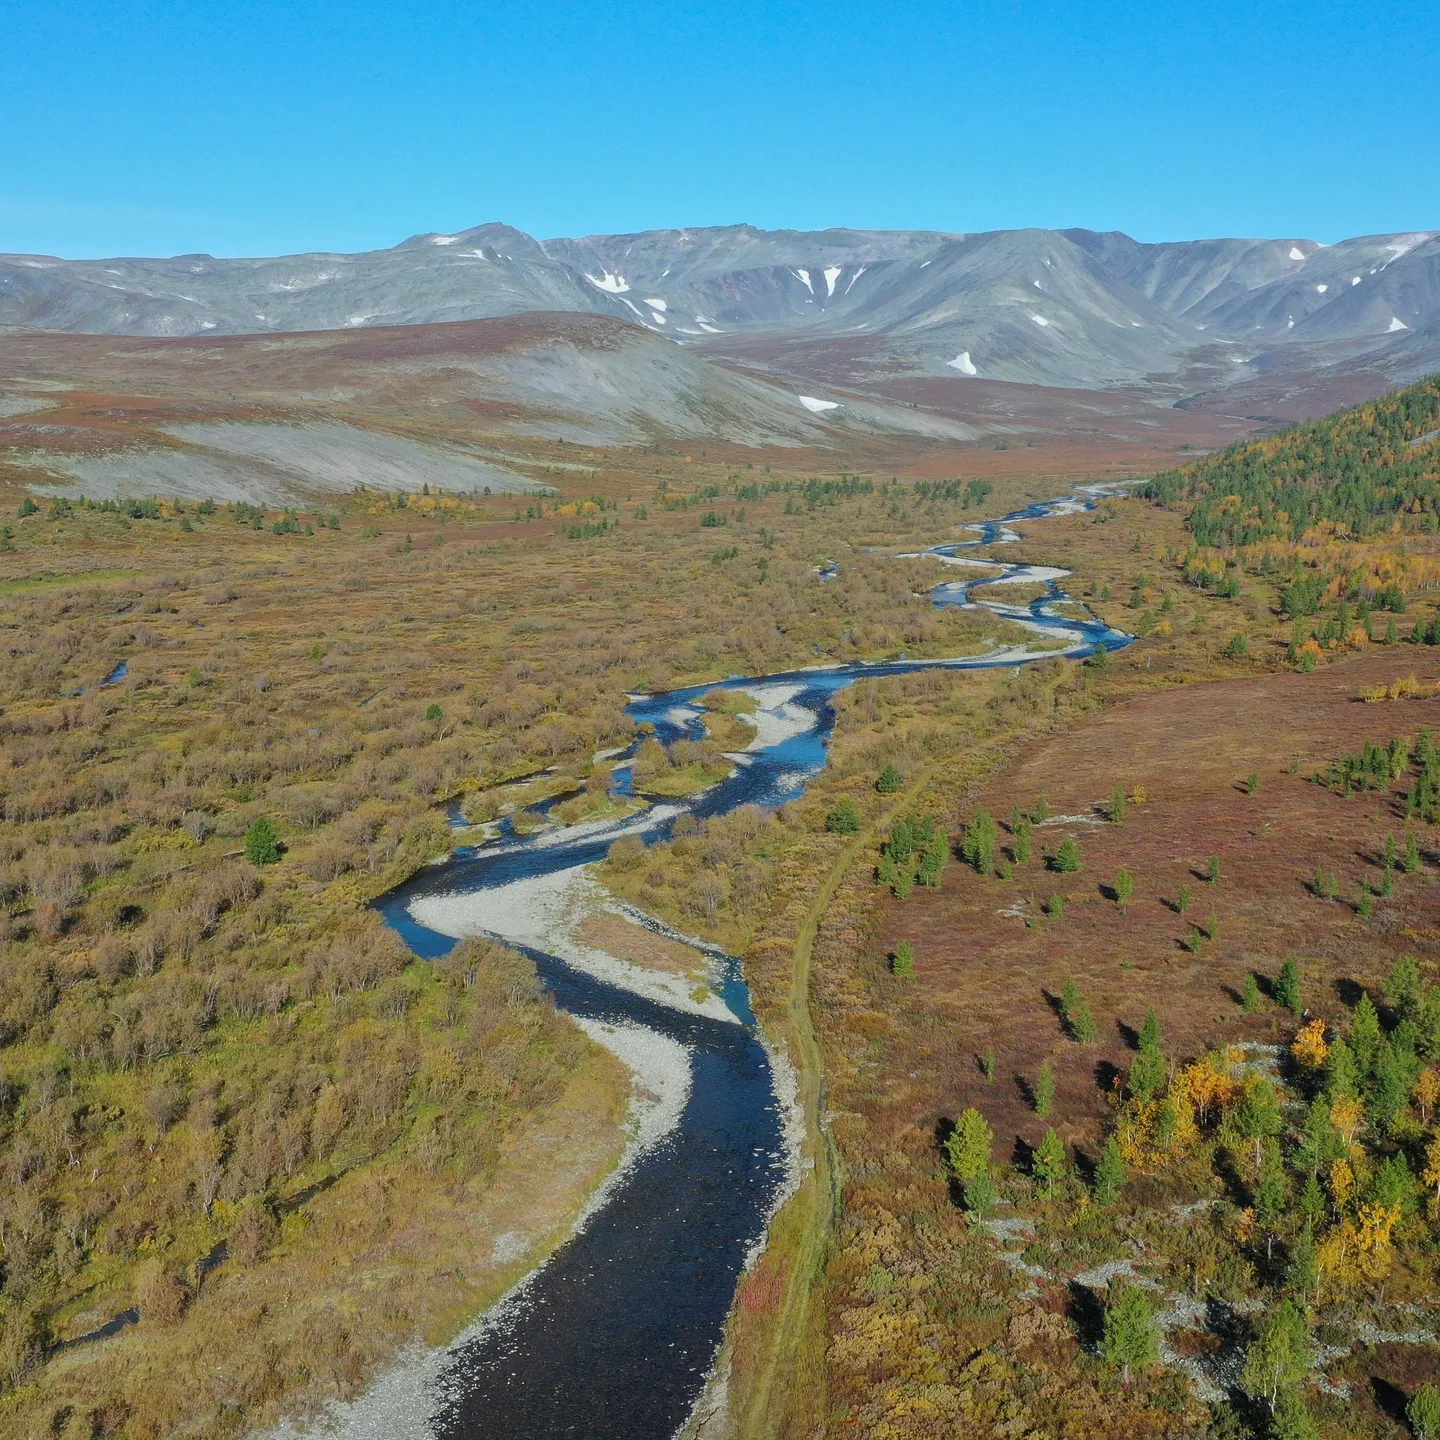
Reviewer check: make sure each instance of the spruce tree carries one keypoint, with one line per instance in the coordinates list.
(890, 781)
(978, 843)
(1067, 857)
(1403, 988)
(1292, 1421)
(1342, 1074)
(932, 861)
(980, 1193)
(262, 844)
(1087, 1032)
(1150, 1030)
(903, 965)
(1147, 1073)
(1272, 1194)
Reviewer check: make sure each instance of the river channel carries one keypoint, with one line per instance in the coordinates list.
(613, 1337)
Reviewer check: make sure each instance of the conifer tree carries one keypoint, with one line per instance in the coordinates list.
(1110, 1173)
(1124, 888)
(1147, 1072)
(1069, 997)
(1364, 1035)
(1087, 1032)
(1048, 1165)
(904, 963)
(932, 862)
(1292, 1421)
(1403, 988)
(262, 844)
(1272, 1194)
(1302, 1272)
(1288, 986)
(1250, 994)
(1044, 1090)
(1423, 1413)
(1067, 857)
(969, 1145)
(1150, 1030)
(1342, 1075)
(979, 841)
(890, 781)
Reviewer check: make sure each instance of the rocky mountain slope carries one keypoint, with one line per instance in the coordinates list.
(1069, 308)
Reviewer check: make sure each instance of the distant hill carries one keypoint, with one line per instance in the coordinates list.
(1180, 321)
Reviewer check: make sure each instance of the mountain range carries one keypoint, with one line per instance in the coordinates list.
(1074, 308)
(142, 375)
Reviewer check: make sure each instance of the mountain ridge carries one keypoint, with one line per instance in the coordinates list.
(1031, 305)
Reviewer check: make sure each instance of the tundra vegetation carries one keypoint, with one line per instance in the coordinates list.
(233, 1101)
(230, 1099)
(1107, 1171)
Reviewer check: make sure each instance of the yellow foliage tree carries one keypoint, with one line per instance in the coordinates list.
(1347, 1115)
(1375, 1239)
(1342, 1183)
(1431, 1173)
(1309, 1048)
(1208, 1086)
(1426, 1093)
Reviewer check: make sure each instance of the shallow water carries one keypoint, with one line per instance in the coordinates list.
(612, 1339)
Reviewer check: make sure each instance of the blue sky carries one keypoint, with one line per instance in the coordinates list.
(261, 128)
